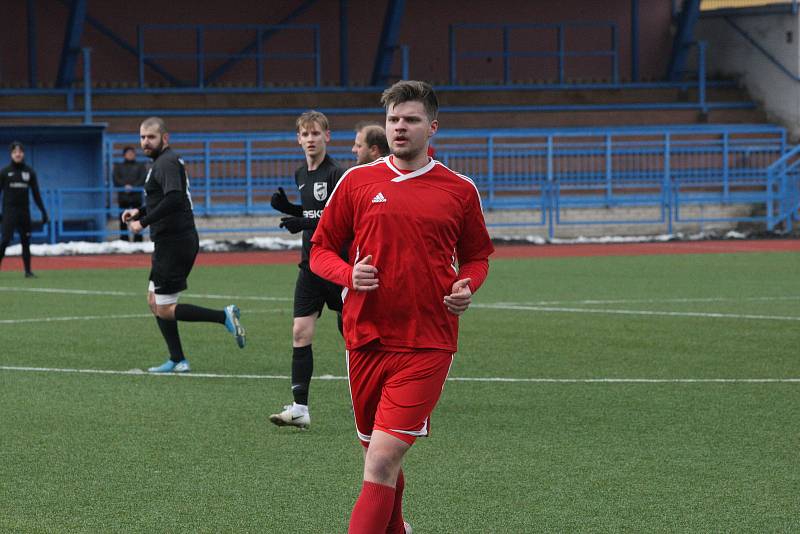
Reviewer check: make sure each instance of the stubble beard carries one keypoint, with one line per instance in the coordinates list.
(154, 152)
(407, 153)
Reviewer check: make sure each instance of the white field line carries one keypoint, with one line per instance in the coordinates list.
(545, 306)
(143, 293)
(105, 317)
(289, 299)
(139, 372)
(655, 301)
(607, 311)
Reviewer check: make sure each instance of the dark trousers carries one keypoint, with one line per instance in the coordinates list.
(19, 221)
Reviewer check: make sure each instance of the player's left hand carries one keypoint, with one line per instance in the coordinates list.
(460, 298)
(135, 226)
(294, 224)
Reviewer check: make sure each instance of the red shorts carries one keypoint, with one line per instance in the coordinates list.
(395, 392)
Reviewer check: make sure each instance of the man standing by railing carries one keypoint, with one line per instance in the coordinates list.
(129, 175)
(168, 213)
(17, 180)
(315, 179)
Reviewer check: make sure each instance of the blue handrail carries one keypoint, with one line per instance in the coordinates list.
(560, 53)
(546, 176)
(201, 55)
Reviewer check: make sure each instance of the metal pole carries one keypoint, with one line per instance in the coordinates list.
(87, 85)
(609, 189)
(615, 56)
(259, 59)
(490, 164)
(317, 59)
(506, 64)
(248, 158)
(560, 35)
(701, 75)
(344, 75)
(668, 193)
(634, 40)
(207, 168)
(32, 48)
(452, 55)
(200, 58)
(551, 187)
(140, 51)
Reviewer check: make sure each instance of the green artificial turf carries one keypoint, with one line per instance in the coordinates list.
(650, 394)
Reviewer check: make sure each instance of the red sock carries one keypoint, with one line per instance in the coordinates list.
(396, 521)
(372, 510)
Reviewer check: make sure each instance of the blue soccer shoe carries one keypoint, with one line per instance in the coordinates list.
(233, 325)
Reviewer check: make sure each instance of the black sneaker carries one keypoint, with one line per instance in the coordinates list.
(29, 274)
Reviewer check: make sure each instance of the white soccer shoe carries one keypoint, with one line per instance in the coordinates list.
(407, 527)
(291, 416)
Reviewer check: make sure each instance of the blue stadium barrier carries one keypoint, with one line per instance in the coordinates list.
(88, 114)
(784, 190)
(545, 178)
(557, 52)
(201, 56)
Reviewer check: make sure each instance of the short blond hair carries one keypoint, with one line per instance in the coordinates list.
(311, 116)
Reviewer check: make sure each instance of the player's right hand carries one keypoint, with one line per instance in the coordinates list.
(280, 201)
(130, 213)
(365, 276)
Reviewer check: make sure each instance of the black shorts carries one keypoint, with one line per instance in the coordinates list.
(19, 220)
(172, 262)
(311, 293)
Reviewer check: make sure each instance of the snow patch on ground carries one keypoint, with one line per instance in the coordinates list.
(74, 248)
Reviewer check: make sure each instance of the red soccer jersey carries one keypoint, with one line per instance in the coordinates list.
(418, 227)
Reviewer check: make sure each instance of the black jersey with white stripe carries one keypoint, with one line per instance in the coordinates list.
(167, 174)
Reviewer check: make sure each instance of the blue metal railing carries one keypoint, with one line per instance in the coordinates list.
(533, 178)
(783, 178)
(558, 51)
(88, 113)
(201, 55)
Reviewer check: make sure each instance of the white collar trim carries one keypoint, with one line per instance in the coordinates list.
(402, 177)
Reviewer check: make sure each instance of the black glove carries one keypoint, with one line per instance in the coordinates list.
(281, 203)
(297, 224)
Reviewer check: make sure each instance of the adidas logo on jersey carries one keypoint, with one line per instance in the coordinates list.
(379, 198)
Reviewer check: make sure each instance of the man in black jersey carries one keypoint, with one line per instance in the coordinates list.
(315, 179)
(16, 181)
(168, 213)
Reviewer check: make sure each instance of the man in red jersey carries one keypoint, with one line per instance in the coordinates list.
(419, 249)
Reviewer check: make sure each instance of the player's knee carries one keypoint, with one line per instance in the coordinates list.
(301, 338)
(381, 467)
(302, 333)
(165, 311)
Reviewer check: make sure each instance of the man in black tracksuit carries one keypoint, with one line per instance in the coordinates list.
(168, 213)
(130, 175)
(16, 181)
(315, 179)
